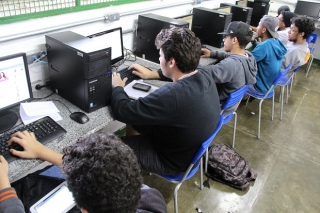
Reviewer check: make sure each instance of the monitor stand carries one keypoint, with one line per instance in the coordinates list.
(7, 120)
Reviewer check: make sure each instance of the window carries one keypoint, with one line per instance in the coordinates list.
(19, 10)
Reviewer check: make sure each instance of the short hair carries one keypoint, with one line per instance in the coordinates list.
(283, 8)
(287, 17)
(103, 174)
(304, 24)
(182, 45)
(243, 42)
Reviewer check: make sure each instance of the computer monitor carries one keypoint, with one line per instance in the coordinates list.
(239, 13)
(15, 88)
(308, 8)
(111, 38)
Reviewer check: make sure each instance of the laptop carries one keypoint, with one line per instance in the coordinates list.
(59, 200)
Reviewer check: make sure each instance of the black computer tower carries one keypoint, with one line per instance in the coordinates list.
(149, 25)
(207, 23)
(79, 70)
(239, 13)
(260, 8)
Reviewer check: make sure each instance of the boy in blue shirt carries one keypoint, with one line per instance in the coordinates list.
(268, 54)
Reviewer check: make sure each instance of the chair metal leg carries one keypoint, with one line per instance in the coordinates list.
(280, 95)
(272, 110)
(292, 82)
(287, 93)
(309, 65)
(201, 173)
(206, 163)
(234, 129)
(260, 103)
(175, 197)
(281, 107)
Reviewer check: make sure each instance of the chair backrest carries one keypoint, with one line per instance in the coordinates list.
(311, 40)
(278, 78)
(207, 142)
(234, 98)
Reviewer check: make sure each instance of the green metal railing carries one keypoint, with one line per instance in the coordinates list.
(19, 10)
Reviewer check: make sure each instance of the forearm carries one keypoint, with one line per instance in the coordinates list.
(4, 181)
(51, 156)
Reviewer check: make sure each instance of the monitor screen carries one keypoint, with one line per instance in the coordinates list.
(311, 9)
(15, 87)
(111, 38)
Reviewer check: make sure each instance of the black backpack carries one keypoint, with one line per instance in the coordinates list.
(227, 166)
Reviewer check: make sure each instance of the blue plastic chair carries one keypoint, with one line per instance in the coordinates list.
(233, 99)
(311, 40)
(284, 82)
(268, 94)
(193, 167)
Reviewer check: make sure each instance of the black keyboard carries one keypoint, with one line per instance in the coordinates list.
(125, 73)
(45, 130)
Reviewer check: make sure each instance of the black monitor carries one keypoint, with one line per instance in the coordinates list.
(15, 88)
(111, 38)
(239, 13)
(308, 8)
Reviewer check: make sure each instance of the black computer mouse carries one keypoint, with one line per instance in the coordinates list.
(79, 117)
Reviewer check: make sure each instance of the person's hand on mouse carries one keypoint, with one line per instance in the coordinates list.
(143, 72)
(32, 147)
(205, 53)
(117, 81)
(4, 169)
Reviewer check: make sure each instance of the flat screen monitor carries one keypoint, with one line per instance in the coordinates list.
(307, 8)
(15, 88)
(111, 38)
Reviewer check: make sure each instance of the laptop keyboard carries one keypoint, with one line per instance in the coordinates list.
(125, 73)
(45, 130)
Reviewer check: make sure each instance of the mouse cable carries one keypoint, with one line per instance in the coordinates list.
(61, 103)
(43, 97)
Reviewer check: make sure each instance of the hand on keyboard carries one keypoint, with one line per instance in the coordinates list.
(25, 145)
(143, 72)
(117, 81)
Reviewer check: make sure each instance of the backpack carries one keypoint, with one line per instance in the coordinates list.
(228, 167)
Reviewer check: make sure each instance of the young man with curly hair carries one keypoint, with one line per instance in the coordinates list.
(298, 52)
(102, 174)
(172, 122)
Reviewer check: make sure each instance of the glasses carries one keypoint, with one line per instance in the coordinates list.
(294, 31)
(225, 36)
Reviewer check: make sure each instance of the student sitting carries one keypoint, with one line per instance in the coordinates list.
(268, 54)
(237, 66)
(102, 174)
(298, 52)
(284, 26)
(174, 120)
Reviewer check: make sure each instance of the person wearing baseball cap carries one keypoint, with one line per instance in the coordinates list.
(284, 25)
(237, 67)
(268, 54)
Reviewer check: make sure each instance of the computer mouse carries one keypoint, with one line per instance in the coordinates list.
(79, 117)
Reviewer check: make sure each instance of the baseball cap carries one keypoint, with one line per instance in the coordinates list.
(238, 29)
(272, 25)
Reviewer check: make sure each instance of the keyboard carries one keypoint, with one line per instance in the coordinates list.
(125, 73)
(45, 130)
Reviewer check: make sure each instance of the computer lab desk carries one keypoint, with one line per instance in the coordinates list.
(99, 119)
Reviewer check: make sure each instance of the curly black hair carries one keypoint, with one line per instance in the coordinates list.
(182, 45)
(103, 174)
(304, 24)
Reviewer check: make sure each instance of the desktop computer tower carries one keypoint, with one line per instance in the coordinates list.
(239, 13)
(79, 70)
(149, 25)
(260, 8)
(207, 23)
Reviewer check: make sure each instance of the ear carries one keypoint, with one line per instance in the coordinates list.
(172, 62)
(83, 210)
(302, 34)
(234, 40)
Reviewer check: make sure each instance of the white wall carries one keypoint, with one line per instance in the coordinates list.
(89, 22)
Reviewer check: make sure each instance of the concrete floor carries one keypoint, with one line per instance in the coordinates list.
(286, 158)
